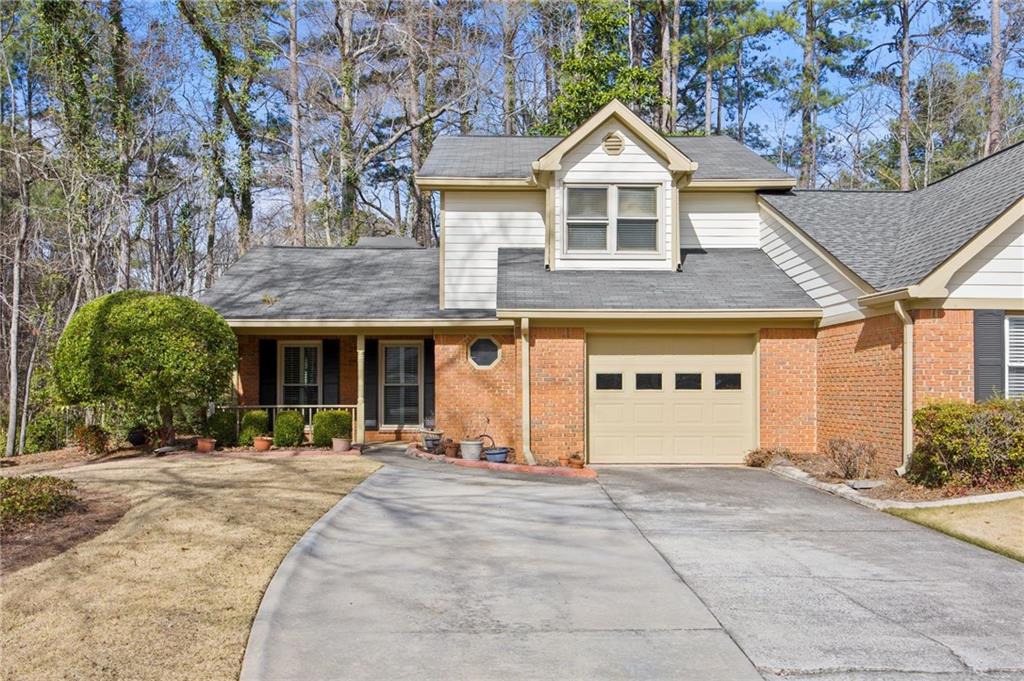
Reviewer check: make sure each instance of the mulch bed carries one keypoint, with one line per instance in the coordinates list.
(26, 464)
(30, 542)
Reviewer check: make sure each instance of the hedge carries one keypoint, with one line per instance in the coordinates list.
(330, 424)
(968, 444)
(221, 427)
(289, 429)
(254, 423)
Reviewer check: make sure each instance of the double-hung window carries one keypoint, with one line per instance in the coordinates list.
(1014, 356)
(401, 384)
(300, 373)
(611, 219)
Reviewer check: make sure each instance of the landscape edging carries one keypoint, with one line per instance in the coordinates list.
(557, 471)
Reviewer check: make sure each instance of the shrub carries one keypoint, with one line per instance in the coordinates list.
(35, 497)
(93, 440)
(851, 459)
(145, 353)
(289, 429)
(221, 426)
(254, 423)
(330, 424)
(765, 456)
(46, 431)
(969, 444)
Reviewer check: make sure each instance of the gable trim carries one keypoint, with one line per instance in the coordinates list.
(815, 247)
(677, 161)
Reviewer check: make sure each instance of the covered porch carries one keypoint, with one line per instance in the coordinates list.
(385, 381)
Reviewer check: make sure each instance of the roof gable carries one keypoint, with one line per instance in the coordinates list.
(677, 161)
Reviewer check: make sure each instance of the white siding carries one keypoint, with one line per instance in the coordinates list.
(828, 287)
(719, 220)
(638, 164)
(996, 272)
(476, 225)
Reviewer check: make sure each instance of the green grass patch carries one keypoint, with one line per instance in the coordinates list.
(996, 526)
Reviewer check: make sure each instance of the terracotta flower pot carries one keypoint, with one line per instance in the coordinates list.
(205, 445)
(341, 444)
(576, 463)
(262, 443)
(563, 461)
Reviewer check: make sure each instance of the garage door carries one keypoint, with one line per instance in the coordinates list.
(670, 399)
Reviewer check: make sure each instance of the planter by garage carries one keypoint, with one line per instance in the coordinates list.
(471, 449)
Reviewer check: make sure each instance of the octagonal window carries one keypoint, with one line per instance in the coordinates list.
(484, 352)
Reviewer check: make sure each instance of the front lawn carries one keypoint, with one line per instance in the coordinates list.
(170, 590)
(996, 526)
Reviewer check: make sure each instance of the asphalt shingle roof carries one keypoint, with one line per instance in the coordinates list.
(718, 157)
(277, 282)
(716, 279)
(895, 239)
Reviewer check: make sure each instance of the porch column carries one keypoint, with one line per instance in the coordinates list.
(360, 424)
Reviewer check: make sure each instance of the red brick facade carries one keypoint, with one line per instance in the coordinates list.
(860, 385)
(788, 389)
(943, 355)
(558, 392)
(470, 400)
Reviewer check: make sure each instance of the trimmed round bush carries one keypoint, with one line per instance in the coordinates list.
(330, 424)
(289, 429)
(221, 427)
(254, 423)
(149, 354)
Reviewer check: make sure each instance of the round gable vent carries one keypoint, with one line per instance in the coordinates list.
(613, 144)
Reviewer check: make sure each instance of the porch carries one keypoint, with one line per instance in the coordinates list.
(386, 382)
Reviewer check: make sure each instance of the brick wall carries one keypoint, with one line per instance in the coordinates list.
(247, 387)
(943, 355)
(558, 386)
(788, 389)
(470, 400)
(860, 385)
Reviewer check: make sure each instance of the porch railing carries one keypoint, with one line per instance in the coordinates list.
(307, 411)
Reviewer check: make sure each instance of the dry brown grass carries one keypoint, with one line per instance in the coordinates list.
(997, 526)
(169, 592)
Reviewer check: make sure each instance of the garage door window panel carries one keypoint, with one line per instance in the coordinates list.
(688, 381)
(608, 381)
(648, 381)
(728, 382)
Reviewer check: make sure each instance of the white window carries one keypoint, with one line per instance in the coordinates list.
(1014, 356)
(401, 384)
(612, 219)
(299, 373)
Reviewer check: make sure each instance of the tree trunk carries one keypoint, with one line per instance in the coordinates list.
(298, 188)
(994, 136)
(708, 74)
(343, 18)
(665, 122)
(216, 172)
(509, 30)
(14, 331)
(674, 82)
(122, 128)
(808, 103)
(27, 393)
(905, 57)
(741, 104)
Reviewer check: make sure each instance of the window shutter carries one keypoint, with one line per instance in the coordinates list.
(370, 383)
(1015, 356)
(428, 379)
(989, 363)
(332, 371)
(268, 371)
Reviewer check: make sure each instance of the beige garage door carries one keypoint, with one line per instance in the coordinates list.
(670, 399)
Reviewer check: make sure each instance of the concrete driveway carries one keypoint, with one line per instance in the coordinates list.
(430, 572)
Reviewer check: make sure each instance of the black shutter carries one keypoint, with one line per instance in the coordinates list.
(428, 379)
(268, 371)
(370, 383)
(989, 358)
(332, 371)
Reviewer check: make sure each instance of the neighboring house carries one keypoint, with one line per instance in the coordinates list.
(643, 299)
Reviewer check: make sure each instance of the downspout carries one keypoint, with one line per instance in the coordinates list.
(908, 383)
(524, 335)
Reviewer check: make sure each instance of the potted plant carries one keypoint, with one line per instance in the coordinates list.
(451, 448)
(137, 436)
(262, 443)
(563, 460)
(205, 445)
(471, 449)
(432, 439)
(576, 461)
(333, 427)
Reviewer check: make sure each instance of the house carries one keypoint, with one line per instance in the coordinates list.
(647, 299)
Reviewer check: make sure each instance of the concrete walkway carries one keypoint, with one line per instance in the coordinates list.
(430, 572)
(813, 586)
